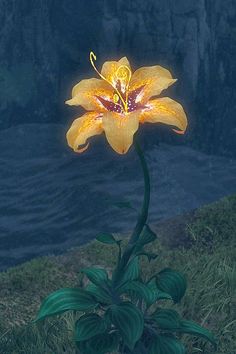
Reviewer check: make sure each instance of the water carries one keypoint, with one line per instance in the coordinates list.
(52, 199)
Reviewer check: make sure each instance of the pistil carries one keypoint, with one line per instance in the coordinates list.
(123, 74)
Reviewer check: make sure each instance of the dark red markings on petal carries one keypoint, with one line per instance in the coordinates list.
(118, 85)
(122, 94)
(133, 94)
(132, 104)
(118, 107)
(109, 105)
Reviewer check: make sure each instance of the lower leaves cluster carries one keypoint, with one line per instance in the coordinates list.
(117, 316)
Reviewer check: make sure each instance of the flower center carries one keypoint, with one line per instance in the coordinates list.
(124, 101)
(123, 75)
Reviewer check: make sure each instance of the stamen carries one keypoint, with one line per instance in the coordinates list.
(92, 58)
(115, 98)
(122, 73)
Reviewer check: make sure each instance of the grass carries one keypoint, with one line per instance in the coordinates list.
(209, 265)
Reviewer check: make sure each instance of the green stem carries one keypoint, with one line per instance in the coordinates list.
(142, 218)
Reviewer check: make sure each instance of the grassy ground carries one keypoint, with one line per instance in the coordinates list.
(209, 264)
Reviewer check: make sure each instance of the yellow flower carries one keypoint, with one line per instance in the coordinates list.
(119, 101)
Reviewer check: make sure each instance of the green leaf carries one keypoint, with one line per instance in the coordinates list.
(89, 326)
(147, 236)
(141, 290)
(128, 319)
(172, 283)
(101, 295)
(193, 328)
(131, 271)
(66, 299)
(97, 276)
(166, 319)
(100, 344)
(106, 238)
(166, 345)
(156, 294)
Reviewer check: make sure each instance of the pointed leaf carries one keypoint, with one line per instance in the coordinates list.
(66, 299)
(156, 294)
(100, 344)
(172, 283)
(166, 345)
(166, 319)
(131, 271)
(128, 319)
(193, 328)
(106, 238)
(141, 290)
(97, 276)
(89, 326)
(147, 236)
(101, 295)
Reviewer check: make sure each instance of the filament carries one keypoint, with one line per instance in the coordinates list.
(92, 58)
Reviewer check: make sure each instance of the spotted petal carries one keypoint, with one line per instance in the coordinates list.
(153, 79)
(82, 128)
(85, 94)
(167, 111)
(120, 129)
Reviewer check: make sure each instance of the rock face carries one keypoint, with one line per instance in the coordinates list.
(44, 49)
(52, 199)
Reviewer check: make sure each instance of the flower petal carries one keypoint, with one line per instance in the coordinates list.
(154, 80)
(110, 68)
(82, 128)
(85, 92)
(120, 129)
(167, 111)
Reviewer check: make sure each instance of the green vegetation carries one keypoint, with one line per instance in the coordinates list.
(210, 300)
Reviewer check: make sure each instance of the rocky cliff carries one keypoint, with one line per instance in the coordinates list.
(51, 199)
(44, 48)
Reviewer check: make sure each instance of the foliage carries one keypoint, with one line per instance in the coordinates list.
(214, 223)
(112, 321)
(211, 303)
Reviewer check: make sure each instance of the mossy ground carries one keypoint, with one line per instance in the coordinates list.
(209, 264)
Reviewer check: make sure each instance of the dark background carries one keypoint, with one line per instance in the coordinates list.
(52, 199)
(45, 45)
